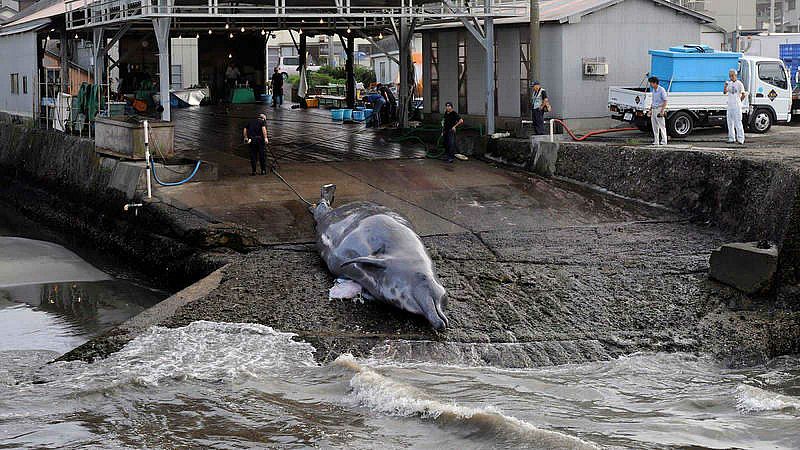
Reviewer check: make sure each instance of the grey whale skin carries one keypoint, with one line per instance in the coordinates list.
(377, 248)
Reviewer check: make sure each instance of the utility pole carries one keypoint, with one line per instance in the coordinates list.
(738, 26)
(533, 47)
(772, 16)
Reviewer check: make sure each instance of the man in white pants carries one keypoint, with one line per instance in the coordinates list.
(657, 113)
(734, 89)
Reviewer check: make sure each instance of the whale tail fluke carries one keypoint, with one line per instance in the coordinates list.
(326, 193)
(325, 203)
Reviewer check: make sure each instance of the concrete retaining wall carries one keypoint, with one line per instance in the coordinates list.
(752, 199)
(59, 181)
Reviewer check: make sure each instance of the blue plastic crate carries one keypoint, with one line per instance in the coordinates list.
(692, 68)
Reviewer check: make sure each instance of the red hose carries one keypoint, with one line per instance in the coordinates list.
(591, 133)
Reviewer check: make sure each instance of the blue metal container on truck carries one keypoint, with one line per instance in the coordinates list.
(692, 68)
(790, 54)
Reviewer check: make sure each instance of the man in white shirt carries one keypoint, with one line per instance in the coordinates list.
(734, 89)
(658, 116)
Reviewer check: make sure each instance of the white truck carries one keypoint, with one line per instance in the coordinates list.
(769, 100)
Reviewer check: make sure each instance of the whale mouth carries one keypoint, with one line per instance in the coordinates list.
(442, 321)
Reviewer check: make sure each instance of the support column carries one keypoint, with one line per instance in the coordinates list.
(161, 27)
(488, 25)
(97, 55)
(404, 90)
(534, 72)
(64, 41)
(350, 72)
(303, 56)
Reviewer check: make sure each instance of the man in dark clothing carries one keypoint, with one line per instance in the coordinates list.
(255, 135)
(450, 122)
(277, 88)
(378, 102)
(539, 105)
(391, 102)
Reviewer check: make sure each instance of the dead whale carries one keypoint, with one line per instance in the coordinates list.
(377, 248)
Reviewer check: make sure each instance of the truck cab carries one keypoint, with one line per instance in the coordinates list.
(769, 92)
(693, 104)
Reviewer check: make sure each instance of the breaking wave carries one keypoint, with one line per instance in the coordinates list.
(384, 395)
(202, 350)
(750, 399)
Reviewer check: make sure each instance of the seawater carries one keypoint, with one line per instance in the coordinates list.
(221, 385)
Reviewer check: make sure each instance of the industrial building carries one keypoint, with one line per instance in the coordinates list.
(586, 46)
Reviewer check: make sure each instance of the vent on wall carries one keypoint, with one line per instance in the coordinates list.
(594, 68)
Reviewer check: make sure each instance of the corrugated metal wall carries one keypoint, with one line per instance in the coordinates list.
(622, 34)
(19, 57)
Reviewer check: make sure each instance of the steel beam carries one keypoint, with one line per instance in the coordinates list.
(161, 27)
(488, 25)
(350, 71)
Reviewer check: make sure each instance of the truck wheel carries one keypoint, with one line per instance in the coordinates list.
(761, 121)
(680, 124)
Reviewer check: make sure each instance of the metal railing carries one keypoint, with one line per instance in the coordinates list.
(92, 13)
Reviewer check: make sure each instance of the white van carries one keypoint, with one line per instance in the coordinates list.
(288, 65)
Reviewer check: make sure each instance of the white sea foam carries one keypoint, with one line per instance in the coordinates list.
(206, 351)
(750, 399)
(384, 395)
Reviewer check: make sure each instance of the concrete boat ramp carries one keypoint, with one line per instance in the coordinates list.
(539, 271)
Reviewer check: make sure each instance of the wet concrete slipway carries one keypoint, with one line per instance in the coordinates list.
(578, 318)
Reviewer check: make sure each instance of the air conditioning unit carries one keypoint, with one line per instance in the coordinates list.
(596, 69)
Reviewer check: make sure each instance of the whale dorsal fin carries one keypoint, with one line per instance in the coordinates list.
(368, 260)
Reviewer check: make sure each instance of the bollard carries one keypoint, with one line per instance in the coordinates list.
(552, 133)
(147, 158)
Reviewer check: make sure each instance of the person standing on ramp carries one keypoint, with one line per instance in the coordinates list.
(255, 135)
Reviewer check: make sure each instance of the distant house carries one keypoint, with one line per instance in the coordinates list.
(384, 64)
(586, 47)
(8, 9)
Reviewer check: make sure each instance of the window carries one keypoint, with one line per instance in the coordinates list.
(24, 84)
(773, 74)
(176, 77)
(14, 84)
(792, 5)
(291, 62)
(462, 72)
(434, 72)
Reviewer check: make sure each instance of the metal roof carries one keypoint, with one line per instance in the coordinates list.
(563, 10)
(40, 10)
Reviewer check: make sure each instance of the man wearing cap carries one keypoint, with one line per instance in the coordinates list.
(255, 135)
(539, 105)
(450, 122)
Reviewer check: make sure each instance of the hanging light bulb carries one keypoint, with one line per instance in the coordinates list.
(230, 55)
(227, 25)
(263, 32)
(242, 30)
(209, 31)
(198, 36)
(302, 20)
(348, 30)
(76, 36)
(230, 35)
(380, 35)
(321, 21)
